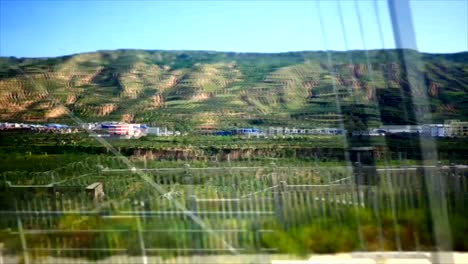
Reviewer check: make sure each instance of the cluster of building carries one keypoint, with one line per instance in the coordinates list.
(271, 131)
(303, 131)
(211, 130)
(126, 130)
(55, 128)
(103, 129)
(451, 128)
(118, 129)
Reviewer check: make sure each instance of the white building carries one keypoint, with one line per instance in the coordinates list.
(158, 131)
(154, 131)
(436, 130)
(369, 133)
(457, 128)
(89, 126)
(124, 129)
(398, 129)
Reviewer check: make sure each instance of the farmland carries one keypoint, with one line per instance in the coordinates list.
(163, 195)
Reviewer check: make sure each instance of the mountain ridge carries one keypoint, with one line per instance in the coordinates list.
(226, 89)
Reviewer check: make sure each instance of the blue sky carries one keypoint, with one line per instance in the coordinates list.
(38, 28)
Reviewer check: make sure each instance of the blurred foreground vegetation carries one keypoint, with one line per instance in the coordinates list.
(397, 219)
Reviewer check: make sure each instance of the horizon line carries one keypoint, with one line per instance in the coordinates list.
(218, 51)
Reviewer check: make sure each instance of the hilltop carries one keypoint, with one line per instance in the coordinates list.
(184, 89)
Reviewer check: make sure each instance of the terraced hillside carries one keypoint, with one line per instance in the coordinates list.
(184, 89)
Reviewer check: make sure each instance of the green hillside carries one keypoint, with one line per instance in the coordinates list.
(184, 89)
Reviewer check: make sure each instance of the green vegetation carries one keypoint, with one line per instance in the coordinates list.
(185, 89)
(409, 231)
(298, 223)
(26, 151)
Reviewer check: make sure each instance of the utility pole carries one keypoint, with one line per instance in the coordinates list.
(405, 41)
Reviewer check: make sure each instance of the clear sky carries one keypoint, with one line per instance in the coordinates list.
(39, 28)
